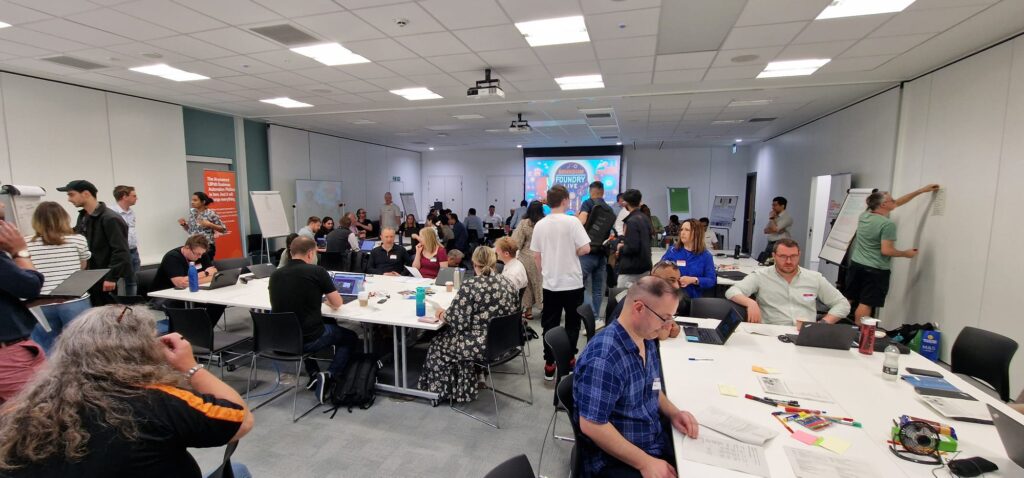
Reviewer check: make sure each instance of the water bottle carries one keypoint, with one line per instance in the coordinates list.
(891, 365)
(193, 277)
(867, 335)
(421, 302)
(458, 278)
(736, 253)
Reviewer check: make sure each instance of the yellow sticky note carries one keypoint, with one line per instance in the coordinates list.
(764, 370)
(728, 390)
(837, 445)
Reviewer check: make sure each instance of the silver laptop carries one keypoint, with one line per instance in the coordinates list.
(78, 283)
(262, 271)
(221, 279)
(1011, 432)
(444, 275)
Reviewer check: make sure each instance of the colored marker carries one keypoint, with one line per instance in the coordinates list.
(695, 359)
(812, 412)
(759, 399)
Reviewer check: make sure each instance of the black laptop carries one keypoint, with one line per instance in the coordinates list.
(1011, 432)
(717, 335)
(444, 275)
(826, 336)
(78, 283)
(225, 278)
(262, 271)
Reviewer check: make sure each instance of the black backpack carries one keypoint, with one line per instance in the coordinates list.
(599, 224)
(356, 385)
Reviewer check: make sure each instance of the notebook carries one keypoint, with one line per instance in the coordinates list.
(936, 383)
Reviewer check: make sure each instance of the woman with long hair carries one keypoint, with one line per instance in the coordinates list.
(203, 220)
(429, 254)
(410, 229)
(483, 297)
(116, 400)
(523, 235)
(695, 263)
(326, 226)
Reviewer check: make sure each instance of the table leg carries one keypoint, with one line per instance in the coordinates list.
(405, 372)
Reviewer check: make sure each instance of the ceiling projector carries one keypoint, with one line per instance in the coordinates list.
(486, 87)
(519, 125)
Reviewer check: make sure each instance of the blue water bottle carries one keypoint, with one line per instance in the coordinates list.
(193, 277)
(421, 302)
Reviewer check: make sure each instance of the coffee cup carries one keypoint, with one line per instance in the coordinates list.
(449, 286)
(364, 298)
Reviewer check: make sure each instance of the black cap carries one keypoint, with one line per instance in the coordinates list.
(79, 185)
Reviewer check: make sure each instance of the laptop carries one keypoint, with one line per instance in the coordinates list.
(78, 283)
(321, 242)
(348, 285)
(225, 278)
(1011, 432)
(444, 275)
(826, 336)
(367, 245)
(718, 335)
(262, 271)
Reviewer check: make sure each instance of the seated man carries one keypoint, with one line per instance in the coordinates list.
(617, 388)
(474, 223)
(387, 258)
(455, 258)
(173, 273)
(312, 227)
(492, 220)
(342, 238)
(667, 271)
(710, 238)
(300, 287)
(460, 235)
(787, 292)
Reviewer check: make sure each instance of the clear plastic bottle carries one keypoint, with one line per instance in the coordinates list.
(193, 277)
(891, 365)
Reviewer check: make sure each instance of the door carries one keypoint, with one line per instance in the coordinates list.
(816, 216)
(453, 194)
(748, 212)
(495, 193)
(513, 194)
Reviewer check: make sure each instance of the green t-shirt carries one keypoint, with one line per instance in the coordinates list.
(872, 229)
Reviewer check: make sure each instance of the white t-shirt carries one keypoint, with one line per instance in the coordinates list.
(620, 221)
(556, 238)
(390, 217)
(56, 263)
(515, 273)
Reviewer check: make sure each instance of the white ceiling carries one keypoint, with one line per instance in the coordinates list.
(660, 99)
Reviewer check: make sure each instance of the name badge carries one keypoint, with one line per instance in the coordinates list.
(393, 257)
(809, 297)
(680, 263)
(433, 259)
(657, 385)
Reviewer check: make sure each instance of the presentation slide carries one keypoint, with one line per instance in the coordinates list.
(575, 173)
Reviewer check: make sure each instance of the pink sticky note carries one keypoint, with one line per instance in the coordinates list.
(804, 437)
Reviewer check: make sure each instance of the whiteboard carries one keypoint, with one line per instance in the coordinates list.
(409, 205)
(723, 210)
(316, 198)
(839, 237)
(270, 213)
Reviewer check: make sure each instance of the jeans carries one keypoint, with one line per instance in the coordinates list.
(238, 469)
(594, 272)
(131, 283)
(556, 302)
(58, 316)
(344, 341)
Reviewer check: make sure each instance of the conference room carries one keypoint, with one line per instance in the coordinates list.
(511, 238)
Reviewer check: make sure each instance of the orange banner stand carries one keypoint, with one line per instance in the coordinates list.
(220, 186)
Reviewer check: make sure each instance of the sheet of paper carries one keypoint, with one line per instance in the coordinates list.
(939, 203)
(835, 444)
(728, 390)
(713, 449)
(804, 437)
(778, 386)
(956, 408)
(414, 271)
(734, 426)
(809, 463)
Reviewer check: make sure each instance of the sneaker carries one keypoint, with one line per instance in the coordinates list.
(313, 380)
(323, 380)
(549, 372)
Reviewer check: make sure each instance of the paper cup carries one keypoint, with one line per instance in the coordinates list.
(364, 298)
(449, 286)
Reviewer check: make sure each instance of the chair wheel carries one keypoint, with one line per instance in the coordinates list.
(434, 403)
(231, 368)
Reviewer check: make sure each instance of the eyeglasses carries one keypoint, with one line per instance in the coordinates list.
(656, 314)
(788, 258)
(123, 311)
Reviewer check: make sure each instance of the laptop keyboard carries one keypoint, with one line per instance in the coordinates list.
(708, 336)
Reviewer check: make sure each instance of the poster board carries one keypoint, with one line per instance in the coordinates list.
(317, 198)
(678, 201)
(841, 234)
(20, 204)
(723, 210)
(270, 213)
(221, 187)
(409, 205)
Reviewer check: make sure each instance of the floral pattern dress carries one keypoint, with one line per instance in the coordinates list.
(534, 293)
(195, 218)
(464, 336)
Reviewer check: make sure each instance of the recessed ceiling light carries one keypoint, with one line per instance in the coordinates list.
(728, 121)
(554, 31)
(413, 94)
(582, 82)
(739, 140)
(792, 68)
(286, 102)
(431, 148)
(330, 54)
(519, 146)
(618, 143)
(854, 8)
(152, 55)
(468, 117)
(4, 25)
(169, 72)
(736, 103)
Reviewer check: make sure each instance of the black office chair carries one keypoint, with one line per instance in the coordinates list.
(515, 467)
(233, 263)
(612, 303)
(985, 356)
(714, 308)
(558, 339)
(504, 337)
(589, 325)
(335, 261)
(355, 261)
(194, 325)
(144, 282)
(278, 337)
(564, 393)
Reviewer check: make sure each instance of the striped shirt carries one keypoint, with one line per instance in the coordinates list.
(56, 263)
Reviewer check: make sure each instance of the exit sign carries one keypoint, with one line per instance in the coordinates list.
(396, 179)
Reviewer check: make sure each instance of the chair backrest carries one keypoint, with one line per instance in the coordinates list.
(144, 278)
(612, 301)
(504, 334)
(276, 332)
(515, 467)
(355, 261)
(564, 396)
(558, 339)
(714, 308)
(233, 263)
(193, 324)
(335, 261)
(985, 356)
(587, 314)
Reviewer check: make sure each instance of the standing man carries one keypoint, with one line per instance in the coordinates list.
(386, 258)
(635, 250)
(107, 235)
(558, 241)
(518, 214)
(311, 228)
(125, 198)
(594, 215)
(19, 355)
(493, 220)
(390, 215)
(779, 223)
(874, 246)
(620, 217)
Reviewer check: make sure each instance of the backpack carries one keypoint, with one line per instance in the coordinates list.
(599, 224)
(356, 386)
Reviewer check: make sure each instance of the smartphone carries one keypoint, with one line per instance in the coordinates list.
(926, 373)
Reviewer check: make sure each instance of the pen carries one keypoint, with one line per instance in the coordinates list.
(695, 359)
(843, 422)
(759, 399)
(790, 430)
(812, 412)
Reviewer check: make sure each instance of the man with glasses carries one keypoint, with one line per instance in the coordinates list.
(787, 292)
(668, 272)
(618, 391)
(173, 272)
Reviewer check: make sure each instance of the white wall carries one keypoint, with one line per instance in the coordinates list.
(962, 128)
(365, 170)
(57, 132)
(474, 166)
(860, 140)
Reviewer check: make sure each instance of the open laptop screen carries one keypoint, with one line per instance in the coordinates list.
(348, 284)
(367, 246)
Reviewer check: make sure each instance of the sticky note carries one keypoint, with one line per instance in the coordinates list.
(728, 390)
(805, 438)
(764, 370)
(837, 445)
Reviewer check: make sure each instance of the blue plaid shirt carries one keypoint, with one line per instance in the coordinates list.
(612, 385)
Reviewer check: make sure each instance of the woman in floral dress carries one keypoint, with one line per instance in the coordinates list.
(533, 296)
(203, 220)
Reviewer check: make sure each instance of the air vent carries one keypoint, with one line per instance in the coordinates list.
(598, 115)
(286, 35)
(761, 120)
(74, 62)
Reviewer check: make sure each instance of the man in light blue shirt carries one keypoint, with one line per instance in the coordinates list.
(125, 197)
(474, 223)
(518, 214)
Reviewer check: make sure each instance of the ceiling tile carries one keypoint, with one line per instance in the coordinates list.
(434, 44)
(833, 29)
(575, 68)
(325, 74)
(21, 49)
(625, 48)
(40, 40)
(525, 73)
(678, 76)
(733, 72)
(926, 4)
(502, 37)
(762, 35)
(76, 32)
(684, 61)
(763, 12)
(381, 49)
(633, 23)
(846, 65)
(382, 97)
(190, 47)
(437, 80)
(286, 59)
(236, 40)
(235, 12)
(141, 53)
(926, 21)
(627, 79)
(805, 51)
(58, 7)
(293, 8)
(244, 64)
(119, 23)
(383, 18)
(252, 82)
(340, 27)
(566, 53)
(628, 65)
(354, 4)
(536, 85)
(527, 10)
(414, 66)
(509, 58)
(355, 86)
(367, 71)
(287, 78)
(764, 55)
(206, 69)
(886, 45)
(591, 7)
(170, 15)
(458, 14)
(15, 14)
(464, 62)
(94, 78)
